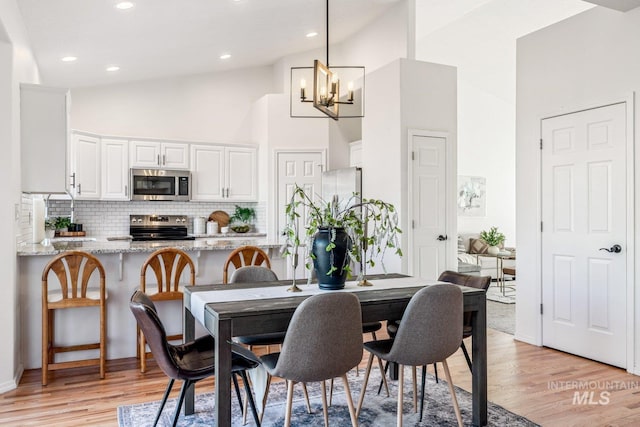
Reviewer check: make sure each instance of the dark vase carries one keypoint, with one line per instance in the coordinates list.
(337, 257)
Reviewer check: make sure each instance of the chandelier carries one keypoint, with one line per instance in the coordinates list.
(327, 94)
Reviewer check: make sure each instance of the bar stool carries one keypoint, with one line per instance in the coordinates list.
(74, 271)
(167, 264)
(245, 256)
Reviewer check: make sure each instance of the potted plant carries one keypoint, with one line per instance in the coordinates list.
(241, 219)
(62, 223)
(337, 234)
(49, 230)
(494, 239)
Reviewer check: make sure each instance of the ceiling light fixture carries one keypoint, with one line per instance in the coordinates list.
(68, 58)
(326, 96)
(312, 34)
(124, 5)
(225, 56)
(113, 68)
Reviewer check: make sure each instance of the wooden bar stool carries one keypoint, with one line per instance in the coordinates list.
(74, 271)
(245, 256)
(167, 264)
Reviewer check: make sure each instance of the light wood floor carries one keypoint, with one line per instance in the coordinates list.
(532, 381)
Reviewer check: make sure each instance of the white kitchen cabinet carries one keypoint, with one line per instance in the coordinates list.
(115, 169)
(44, 137)
(223, 173)
(85, 166)
(153, 154)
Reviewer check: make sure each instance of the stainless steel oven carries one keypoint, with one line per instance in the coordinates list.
(160, 184)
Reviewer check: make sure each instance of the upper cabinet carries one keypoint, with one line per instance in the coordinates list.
(223, 173)
(44, 133)
(115, 169)
(85, 166)
(151, 154)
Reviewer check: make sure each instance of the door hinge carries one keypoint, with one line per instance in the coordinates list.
(413, 155)
(541, 311)
(541, 143)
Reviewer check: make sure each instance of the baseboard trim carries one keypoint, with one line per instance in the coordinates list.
(12, 385)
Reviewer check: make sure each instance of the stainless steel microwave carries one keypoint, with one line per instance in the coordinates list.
(160, 184)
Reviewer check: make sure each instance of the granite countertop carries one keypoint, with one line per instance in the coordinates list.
(104, 246)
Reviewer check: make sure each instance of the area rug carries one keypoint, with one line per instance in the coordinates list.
(494, 293)
(378, 410)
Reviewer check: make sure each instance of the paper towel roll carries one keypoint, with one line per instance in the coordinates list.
(38, 219)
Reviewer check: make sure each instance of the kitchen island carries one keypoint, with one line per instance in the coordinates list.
(122, 260)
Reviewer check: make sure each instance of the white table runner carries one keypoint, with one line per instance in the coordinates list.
(200, 299)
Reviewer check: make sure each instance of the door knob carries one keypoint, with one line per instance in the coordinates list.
(616, 249)
(442, 238)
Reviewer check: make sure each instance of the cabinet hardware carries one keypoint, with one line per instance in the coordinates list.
(126, 190)
(227, 192)
(158, 159)
(73, 180)
(79, 189)
(164, 160)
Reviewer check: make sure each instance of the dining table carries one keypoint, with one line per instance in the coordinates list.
(239, 309)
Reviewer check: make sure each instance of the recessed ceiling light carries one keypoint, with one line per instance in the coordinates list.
(124, 5)
(312, 34)
(225, 56)
(68, 58)
(113, 68)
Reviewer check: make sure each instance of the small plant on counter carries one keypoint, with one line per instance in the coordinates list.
(242, 218)
(62, 222)
(50, 223)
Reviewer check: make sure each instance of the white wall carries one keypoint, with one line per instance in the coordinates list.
(585, 61)
(16, 65)
(403, 95)
(204, 107)
(478, 37)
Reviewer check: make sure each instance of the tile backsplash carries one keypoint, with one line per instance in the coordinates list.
(111, 218)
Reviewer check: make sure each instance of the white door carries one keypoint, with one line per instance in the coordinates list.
(428, 205)
(583, 210)
(305, 170)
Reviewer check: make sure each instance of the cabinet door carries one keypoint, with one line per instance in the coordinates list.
(115, 169)
(85, 158)
(207, 177)
(241, 174)
(44, 137)
(174, 156)
(144, 154)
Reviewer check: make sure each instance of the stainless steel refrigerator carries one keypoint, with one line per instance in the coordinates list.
(342, 184)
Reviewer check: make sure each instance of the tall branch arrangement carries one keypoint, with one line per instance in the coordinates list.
(371, 224)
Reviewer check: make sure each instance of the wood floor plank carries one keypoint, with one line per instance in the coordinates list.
(535, 382)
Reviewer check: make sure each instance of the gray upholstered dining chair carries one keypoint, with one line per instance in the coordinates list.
(323, 341)
(430, 332)
(190, 361)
